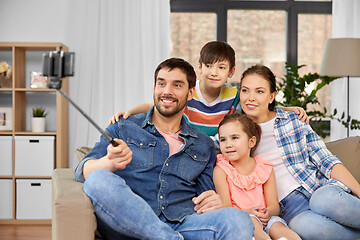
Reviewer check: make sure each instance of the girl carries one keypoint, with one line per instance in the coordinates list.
(319, 198)
(245, 182)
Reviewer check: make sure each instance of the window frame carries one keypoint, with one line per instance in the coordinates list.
(292, 8)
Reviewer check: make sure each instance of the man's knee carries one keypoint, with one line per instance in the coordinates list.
(237, 220)
(99, 180)
(236, 215)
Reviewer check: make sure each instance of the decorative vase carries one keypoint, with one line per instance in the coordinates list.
(38, 124)
(5, 82)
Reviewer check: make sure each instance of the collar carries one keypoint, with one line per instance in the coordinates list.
(187, 130)
(281, 113)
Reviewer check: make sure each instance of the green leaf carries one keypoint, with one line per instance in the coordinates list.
(293, 88)
(38, 112)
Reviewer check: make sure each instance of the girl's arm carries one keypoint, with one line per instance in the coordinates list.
(221, 186)
(340, 173)
(271, 198)
(141, 108)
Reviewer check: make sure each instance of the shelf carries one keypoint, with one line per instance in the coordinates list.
(32, 177)
(34, 90)
(32, 46)
(6, 177)
(26, 222)
(35, 133)
(6, 89)
(7, 132)
(26, 57)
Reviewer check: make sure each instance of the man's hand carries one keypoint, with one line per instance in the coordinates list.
(119, 156)
(207, 201)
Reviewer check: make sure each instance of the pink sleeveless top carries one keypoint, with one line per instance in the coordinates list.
(246, 191)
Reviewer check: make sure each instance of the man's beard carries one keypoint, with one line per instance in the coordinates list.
(169, 112)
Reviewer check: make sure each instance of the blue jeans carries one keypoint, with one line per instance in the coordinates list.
(329, 213)
(272, 220)
(122, 214)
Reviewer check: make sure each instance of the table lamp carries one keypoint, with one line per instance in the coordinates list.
(341, 58)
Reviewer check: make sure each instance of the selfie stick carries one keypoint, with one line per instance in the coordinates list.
(58, 64)
(103, 133)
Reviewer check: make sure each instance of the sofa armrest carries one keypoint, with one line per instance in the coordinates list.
(72, 212)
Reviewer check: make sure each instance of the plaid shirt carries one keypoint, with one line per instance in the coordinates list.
(303, 152)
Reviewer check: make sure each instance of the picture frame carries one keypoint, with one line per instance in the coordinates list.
(5, 118)
(38, 80)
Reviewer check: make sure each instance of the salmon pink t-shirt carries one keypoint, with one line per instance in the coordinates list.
(246, 191)
(173, 140)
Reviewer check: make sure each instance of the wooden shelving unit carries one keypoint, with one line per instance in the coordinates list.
(18, 93)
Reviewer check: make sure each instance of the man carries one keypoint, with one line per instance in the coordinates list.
(157, 184)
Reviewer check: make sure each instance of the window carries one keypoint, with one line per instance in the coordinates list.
(313, 31)
(266, 32)
(189, 33)
(268, 47)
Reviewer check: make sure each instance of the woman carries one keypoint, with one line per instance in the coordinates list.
(319, 198)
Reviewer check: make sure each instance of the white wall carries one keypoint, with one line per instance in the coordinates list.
(35, 21)
(89, 28)
(345, 24)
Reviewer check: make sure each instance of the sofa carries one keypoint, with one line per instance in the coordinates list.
(73, 214)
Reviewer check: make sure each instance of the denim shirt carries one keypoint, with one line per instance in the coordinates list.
(166, 183)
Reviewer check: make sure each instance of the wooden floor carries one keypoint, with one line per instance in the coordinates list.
(25, 232)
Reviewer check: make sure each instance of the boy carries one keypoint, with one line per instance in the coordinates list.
(214, 97)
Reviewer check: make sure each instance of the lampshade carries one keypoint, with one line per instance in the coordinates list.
(341, 58)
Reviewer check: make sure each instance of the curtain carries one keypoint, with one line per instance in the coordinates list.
(118, 45)
(345, 24)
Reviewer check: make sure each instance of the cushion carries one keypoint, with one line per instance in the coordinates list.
(81, 152)
(348, 151)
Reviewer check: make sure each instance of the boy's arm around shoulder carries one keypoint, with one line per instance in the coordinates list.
(141, 108)
(302, 115)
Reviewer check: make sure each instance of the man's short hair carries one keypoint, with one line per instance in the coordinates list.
(217, 51)
(181, 64)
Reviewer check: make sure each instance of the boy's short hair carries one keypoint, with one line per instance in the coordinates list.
(217, 51)
(181, 64)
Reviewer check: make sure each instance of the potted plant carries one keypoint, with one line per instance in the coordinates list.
(38, 119)
(294, 94)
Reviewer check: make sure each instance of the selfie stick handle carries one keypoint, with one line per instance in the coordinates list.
(103, 133)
